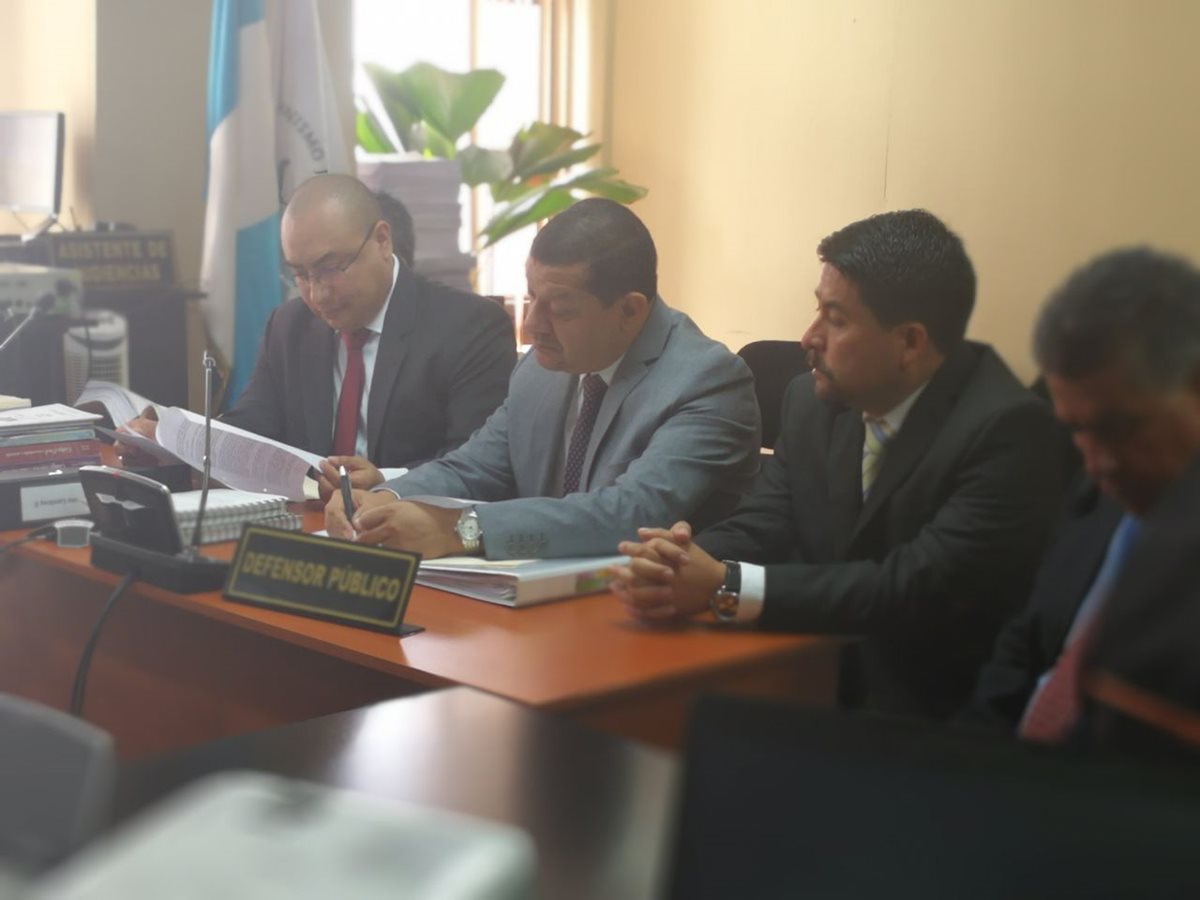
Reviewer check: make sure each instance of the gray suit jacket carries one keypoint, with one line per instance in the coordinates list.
(677, 437)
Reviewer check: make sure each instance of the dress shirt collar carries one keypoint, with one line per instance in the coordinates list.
(895, 417)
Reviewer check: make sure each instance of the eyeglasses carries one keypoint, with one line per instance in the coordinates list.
(325, 274)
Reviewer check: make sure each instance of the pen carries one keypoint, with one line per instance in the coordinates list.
(347, 501)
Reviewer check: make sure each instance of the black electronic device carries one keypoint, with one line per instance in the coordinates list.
(136, 531)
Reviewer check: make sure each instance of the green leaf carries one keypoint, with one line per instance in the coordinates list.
(398, 105)
(542, 205)
(370, 134)
(481, 166)
(536, 143)
(452, 103)
(559, 161)
(447, 103)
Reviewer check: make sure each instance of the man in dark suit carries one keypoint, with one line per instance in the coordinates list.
(910, 494)
(371, 365)
(1119, 343)
(429, 365)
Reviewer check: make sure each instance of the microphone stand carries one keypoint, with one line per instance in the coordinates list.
(39, 309)
(206, 473)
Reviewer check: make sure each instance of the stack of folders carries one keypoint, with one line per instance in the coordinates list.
(228, 510)
(519, 582)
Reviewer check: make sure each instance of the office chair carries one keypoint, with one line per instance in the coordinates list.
(56, 784)
(774, 364)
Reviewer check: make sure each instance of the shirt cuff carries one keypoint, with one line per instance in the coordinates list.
(754, 590)
(379, 488)
(389, 474)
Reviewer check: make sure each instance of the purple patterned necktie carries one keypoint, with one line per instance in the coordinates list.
(593, 394)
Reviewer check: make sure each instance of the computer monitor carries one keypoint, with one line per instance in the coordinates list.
(31, 161)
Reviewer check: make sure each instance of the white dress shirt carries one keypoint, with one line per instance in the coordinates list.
(370, 351)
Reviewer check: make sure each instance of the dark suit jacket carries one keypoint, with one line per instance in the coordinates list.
(1148, 641)
(1031, 642)
(940, 555)
(442, 368)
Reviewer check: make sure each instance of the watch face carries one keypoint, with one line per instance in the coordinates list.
(468, 528)
(725, 604)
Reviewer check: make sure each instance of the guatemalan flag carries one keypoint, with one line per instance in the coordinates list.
(272, 122)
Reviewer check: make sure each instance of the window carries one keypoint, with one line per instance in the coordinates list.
(507, 35)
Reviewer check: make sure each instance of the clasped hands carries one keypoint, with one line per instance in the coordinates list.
(668, 577)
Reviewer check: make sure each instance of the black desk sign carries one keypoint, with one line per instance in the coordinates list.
(325, 578)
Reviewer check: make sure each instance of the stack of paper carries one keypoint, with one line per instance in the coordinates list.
(519, 582)
(227, 511)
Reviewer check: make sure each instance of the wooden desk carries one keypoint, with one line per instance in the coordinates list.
(598, 808)
(172, 670)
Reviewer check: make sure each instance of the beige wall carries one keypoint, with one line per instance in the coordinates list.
(1044, 131)
(48, 61)
(152, 71)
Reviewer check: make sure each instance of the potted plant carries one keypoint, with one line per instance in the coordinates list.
(431, 111)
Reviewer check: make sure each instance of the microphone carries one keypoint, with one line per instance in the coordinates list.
(151, 548)
(210, 364)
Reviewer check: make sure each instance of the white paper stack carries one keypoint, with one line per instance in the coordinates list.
(228, 510)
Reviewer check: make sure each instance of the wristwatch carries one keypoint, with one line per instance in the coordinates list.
(726, 599)
(468, 531)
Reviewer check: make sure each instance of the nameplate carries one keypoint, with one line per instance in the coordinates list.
(116, 259)
(324, 578)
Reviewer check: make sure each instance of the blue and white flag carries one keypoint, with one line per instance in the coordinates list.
(268, 130)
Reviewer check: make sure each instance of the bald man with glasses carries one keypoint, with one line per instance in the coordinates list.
(371, 365)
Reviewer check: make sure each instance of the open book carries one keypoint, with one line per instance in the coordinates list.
(240, 459)
(519, 582)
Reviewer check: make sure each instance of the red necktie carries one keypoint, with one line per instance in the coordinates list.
(594, 390)
(345, 428)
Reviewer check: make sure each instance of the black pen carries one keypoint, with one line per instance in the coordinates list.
(347, 500)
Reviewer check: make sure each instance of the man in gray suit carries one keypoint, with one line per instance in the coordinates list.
(623, 412)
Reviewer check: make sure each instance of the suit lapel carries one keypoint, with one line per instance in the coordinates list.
(645, 349)
(319, 350)
(844, 466)
(926, 418)
(398, 324)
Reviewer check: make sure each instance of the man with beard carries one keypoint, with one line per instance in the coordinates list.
(911, 492)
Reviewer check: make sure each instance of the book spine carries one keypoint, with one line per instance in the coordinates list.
(46, 437)
(60, 451)
(574, 584)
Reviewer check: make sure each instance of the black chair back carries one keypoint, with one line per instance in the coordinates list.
(774, 364)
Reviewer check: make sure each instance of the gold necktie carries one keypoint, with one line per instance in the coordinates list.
(875, 440)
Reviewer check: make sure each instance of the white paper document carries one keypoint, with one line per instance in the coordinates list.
(43, 418)
(240, 459)
(121, 403)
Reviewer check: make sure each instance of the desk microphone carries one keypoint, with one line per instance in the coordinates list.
(142, 536)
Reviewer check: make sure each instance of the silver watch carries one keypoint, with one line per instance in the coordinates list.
(468, 531)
